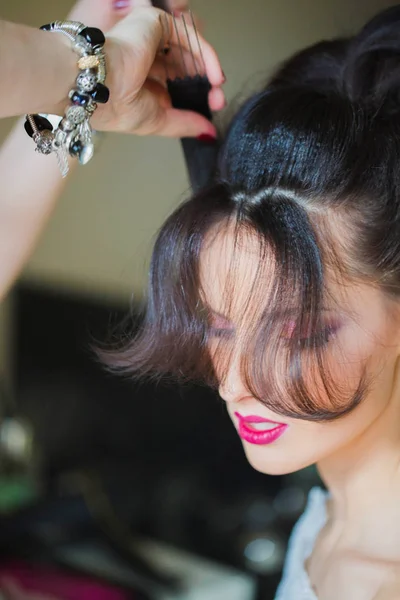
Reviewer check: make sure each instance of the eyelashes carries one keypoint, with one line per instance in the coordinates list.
(318, 340)
(292, 335)
(221, 328)
(221, 333)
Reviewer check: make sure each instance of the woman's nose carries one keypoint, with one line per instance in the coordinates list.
(231, 389)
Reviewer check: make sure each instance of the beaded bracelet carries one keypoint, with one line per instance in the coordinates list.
(73, 136)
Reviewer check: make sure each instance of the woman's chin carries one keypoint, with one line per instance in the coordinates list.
(273, 463)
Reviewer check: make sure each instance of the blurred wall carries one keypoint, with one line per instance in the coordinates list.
(101, 233)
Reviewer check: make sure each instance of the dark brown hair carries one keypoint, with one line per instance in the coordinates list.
(320, 144)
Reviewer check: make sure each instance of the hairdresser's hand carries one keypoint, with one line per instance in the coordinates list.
(139, 102)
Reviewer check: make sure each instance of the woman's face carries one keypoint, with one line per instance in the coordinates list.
(365, 331)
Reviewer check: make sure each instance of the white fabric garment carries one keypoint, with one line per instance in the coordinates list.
(295, 584)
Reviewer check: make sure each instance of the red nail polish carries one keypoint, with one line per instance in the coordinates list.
(121, 4)
(207, 138)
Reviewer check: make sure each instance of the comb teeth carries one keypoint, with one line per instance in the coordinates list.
(203, 65)
(189, 88)
(189, 42)
(182, 59)
(182, 54)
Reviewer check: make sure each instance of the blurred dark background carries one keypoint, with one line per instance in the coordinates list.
(164, 461)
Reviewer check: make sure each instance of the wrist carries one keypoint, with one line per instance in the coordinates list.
(58, 70)
(64, 76)
(37, 69)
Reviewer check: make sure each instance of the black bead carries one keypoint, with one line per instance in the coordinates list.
(40, 122)
(80, 99)
(76, 148)
(101, 93)
(47, 27)
(94, 36)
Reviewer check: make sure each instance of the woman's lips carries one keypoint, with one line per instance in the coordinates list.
(259, 431)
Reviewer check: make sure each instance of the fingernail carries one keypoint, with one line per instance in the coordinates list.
(177, 13)
(121, 4)
(207, 138)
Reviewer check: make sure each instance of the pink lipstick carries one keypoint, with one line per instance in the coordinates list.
(259, 431)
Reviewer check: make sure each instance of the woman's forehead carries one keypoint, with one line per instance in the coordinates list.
(238, 274)
(236, 268)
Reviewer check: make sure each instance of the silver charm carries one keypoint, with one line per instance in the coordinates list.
(81, 46)
(85, 132)
(85, 136)
(59, 137)
(62, 139)
(86, 80)
(60, 150)
(91, 107)
(102, 68)
(62, 159)
(86, 153)
(44, 141)
(66, 125)
(76, 114)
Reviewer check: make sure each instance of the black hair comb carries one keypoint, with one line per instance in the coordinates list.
(188, 87)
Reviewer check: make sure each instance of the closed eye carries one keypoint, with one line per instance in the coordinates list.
(220, 327)
(319, 339)
(221, 333)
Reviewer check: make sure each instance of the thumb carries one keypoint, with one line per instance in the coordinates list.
(103, 14)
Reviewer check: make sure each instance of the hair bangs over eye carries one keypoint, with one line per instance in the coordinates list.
(239, 280)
